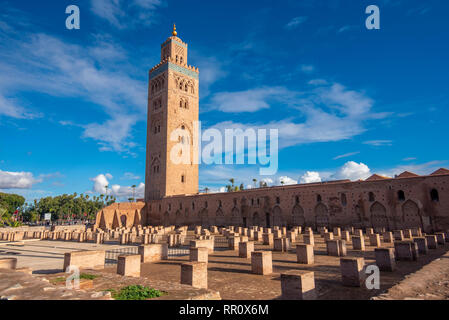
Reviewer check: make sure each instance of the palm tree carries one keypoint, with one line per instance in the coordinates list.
(134, 190)
(282, 182)
(255, 181)
(106, 187)
(232, 182)
(206, 189)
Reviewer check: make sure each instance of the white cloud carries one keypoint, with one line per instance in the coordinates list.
(17, 180)
(307, 68)
(379, 143)
(346, 155)
(317, 82)
(310, 177)
(11, 108)
(130, 176)
(286, 180)
(124, 14)
(246, 101)
(42, 63)
(123, 192)
(295, 22)
(353, 171)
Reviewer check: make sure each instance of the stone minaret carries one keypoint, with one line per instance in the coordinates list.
(173, 108)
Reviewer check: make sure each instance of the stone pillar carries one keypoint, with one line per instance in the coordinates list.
(337, 232)
(328, 236)
(200, 254)
(408, 234)
(245, 249)
(385, 259)
(258, 236)
(374, 240)
(309, 239)
(358, 243)
(129, 265)
(388, 237)
(345, 236)
(398, 235)
(421, 242)
(8, 263)
(262, 262)
(352, 273)
(432, 242)
(403, 250)
(291, 235)
(234, 243)
(440, 238)
(359, 233)
(281, 244)
(277, 234)
(153, 252)
(336, 248)
(268, 239)
(298, 285)
(304, 254)
(369, 231)
(194, 274)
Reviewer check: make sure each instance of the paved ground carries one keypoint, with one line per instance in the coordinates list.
(47, 256)
(231, 275)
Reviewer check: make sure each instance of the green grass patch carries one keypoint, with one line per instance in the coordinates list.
(57, 280)
(88, 276)
(135, 292)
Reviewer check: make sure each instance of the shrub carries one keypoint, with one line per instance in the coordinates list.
(135, 292)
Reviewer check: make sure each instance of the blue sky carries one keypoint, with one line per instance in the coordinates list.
(347, 101)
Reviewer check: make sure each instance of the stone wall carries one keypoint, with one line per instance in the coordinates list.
(377, 202)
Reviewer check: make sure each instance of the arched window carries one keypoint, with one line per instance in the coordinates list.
(296, 199)
(252, 202)
(219, 203)
(205, 204)
(180, 85)
(434, 195)
(278, 200)
(371, 197)
(183, 178)
(343, 199)
(401, 195)
(318, 198)
(176, 58)
(180, 104)
(186, 88)
(181, 60)
(193, 205)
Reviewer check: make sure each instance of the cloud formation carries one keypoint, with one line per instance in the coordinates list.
(17, 180)
(310, 177)
(122, 192)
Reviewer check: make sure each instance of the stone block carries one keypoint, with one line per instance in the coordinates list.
(245, 249)
(304, 254)
(262, 262)
(298, 285)
(385, 259)
(352, 271)
(200, 254)
(194, 274)
(129, 265)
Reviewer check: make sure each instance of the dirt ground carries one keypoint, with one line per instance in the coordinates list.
(232, 277)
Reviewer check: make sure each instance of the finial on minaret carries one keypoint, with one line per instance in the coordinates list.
(174, 33)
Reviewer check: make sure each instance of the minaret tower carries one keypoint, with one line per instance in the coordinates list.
(173, 107)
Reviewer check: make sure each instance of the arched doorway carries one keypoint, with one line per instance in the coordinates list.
(236, 219)
(298, 216)
(379, 216)
(123, 219)
(166, 220)
(321, 216)
(277, 216)
(256, 219)
(220, 220)
(203, 218)
(411, 215)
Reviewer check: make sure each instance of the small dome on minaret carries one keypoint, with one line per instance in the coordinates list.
(174, 33)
